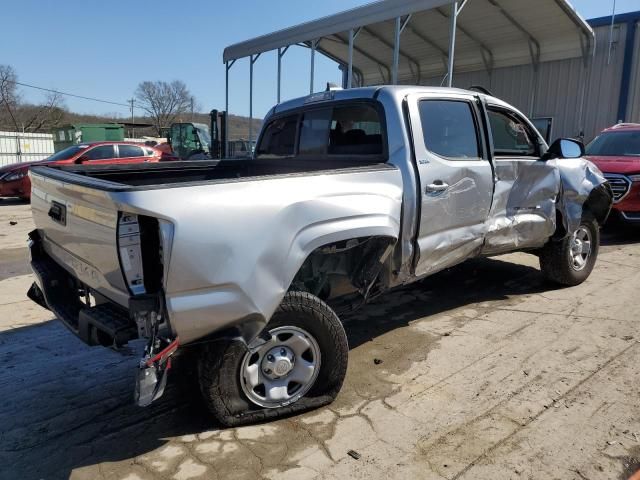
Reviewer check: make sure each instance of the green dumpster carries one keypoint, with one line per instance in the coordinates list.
(86, 132)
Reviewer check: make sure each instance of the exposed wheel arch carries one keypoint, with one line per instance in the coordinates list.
(350, 266)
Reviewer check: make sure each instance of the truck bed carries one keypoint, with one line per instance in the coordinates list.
(224, 236)
(165, 174)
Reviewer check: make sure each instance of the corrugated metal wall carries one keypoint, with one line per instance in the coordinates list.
(560, 85)
(633, 107)
(24, 147)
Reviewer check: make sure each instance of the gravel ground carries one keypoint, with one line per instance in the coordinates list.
(482, 372)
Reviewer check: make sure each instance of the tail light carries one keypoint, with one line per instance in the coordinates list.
(130, 253)
(140, 252)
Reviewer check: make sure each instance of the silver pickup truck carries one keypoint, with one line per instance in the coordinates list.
(247, 263)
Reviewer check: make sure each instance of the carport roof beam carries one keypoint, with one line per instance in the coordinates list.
(341, 22)
(366, 55)
(513, 33)
(534, 44)
(392, 47)
(487, 54)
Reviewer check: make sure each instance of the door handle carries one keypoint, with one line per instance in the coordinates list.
(437, 187)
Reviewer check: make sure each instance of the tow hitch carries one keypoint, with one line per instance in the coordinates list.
(152, 374)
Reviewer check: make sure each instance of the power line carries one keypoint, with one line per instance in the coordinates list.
(72, 95)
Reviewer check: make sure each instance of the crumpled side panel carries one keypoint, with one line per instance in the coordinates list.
(523, 210)
(527, 196)
(578, 179)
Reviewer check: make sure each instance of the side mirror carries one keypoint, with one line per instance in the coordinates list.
(565, 148)
(82, 159)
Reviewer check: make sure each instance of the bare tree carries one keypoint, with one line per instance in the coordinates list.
(9, 92)
(24, 116)
(45, 116)
(163, 101)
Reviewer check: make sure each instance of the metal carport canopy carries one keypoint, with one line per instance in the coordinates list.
(490, 34)
(410, 41)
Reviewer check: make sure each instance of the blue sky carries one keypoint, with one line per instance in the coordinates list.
(104, 49)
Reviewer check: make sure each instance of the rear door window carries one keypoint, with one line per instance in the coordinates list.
(102, 152)
(126, 151)
(449, 129)
(279, 138)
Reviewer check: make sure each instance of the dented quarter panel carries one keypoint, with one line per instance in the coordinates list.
(236, 247)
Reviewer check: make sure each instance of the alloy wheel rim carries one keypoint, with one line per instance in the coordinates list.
(281, 368)
(580, 248)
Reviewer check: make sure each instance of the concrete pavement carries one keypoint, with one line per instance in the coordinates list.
(482, 371)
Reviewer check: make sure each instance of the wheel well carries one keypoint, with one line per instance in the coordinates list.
(345, 267)
(599, 202)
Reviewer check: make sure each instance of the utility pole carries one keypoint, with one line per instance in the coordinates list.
(132, 118)
(191, 109)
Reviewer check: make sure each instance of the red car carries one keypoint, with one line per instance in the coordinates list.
(616, 151)
(14, 178)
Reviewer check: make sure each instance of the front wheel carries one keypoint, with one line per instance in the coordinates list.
(298, 362)
(570, 261)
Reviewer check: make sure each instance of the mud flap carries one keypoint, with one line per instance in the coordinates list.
(151, 378)
(150, 383)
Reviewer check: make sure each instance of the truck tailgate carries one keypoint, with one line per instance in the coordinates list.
(79, 230)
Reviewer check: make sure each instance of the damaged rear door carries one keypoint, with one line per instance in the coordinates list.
(523, 214)
(456, 179)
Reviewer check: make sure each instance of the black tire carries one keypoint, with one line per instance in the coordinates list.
(220, 363)
(556, 261)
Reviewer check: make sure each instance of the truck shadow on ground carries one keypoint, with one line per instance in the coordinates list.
(68, 406)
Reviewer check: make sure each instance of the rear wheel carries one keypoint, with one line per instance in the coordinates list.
(570, 261)
(298, 362)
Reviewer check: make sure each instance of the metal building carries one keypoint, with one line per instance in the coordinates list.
(540, 56)
(613, 82)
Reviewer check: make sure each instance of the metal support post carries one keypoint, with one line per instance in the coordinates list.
(396, 53)
(252, 60)
(228, 66)
(314, 44)
(452, 42)
(281, 52)
(352, 38)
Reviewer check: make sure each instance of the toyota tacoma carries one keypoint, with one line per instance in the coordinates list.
(249, 263)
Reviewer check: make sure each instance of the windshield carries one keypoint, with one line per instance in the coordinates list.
(615, 144)
(205, 138)
(67, 153)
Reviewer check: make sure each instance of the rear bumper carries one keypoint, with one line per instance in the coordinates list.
(105, 323)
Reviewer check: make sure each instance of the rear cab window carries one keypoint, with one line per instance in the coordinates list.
(353, 130)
